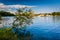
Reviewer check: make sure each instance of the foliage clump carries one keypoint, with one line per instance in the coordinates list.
(7, 34)
(18, 31)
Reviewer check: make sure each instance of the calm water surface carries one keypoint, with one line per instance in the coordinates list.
(43, 28)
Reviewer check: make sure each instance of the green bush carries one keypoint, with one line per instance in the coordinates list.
(6, 34)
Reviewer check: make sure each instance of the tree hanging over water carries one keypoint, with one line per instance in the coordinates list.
(18, 30)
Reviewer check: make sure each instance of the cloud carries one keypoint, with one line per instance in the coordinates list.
(1, 4)
(18, 6)
(14, 6)
(9, 7)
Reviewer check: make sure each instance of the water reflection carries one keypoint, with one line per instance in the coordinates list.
(6, 21)
(1, 23)
(43, 28)
(56, 19)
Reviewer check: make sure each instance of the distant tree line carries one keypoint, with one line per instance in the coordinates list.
(4, 13)
(49, 14)
(56, 13)
(0, 17)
